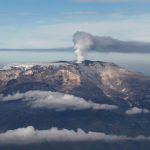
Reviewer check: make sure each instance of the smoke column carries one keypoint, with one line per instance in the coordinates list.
(82, 43)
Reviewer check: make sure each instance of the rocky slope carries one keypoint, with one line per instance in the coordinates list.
(94, 80)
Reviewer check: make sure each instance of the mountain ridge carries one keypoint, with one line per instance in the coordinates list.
(96, 80)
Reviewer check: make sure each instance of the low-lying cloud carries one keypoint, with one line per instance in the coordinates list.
(136, 110)
(30, 135)
(57, 101)
(84, 41)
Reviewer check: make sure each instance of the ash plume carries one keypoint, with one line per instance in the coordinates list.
(84, 42)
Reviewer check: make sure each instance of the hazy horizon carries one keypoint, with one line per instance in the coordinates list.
(140, 63)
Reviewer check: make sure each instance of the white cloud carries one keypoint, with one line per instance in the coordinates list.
(136, 110)
(57, 101)
(29, 135)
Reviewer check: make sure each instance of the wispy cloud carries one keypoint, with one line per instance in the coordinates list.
(17, 14)
(112, 1)
(57, 101)
(110, 12)
(30, 135)
(45, 35)
(77, 13)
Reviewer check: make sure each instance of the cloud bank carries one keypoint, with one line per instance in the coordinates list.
(30, 135)
(136, 110)
(84, 41)
(57, 101)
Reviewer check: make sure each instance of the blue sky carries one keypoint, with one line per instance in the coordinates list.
(51, 23)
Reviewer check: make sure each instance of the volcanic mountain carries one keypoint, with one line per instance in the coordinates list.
(95, 88)
(100, 82)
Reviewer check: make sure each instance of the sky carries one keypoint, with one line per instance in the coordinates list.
(51, 23)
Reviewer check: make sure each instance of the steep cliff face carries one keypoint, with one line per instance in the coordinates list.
(98, 81)
(8, 75)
